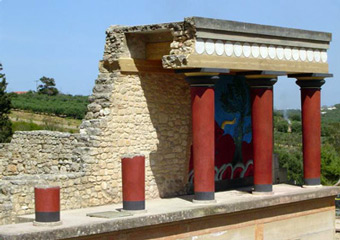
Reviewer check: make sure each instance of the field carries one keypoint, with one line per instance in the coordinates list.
(32, 111)
(61, 105)
(29, 121)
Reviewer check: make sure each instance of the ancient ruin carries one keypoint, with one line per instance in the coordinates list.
(195, 98)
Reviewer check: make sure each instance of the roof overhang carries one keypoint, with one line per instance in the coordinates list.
(206, 43)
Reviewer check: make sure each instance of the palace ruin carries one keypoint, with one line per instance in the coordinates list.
(195, 98)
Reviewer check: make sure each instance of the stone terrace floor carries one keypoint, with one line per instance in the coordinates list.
(76, 223)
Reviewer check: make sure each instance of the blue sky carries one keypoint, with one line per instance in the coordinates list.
(64, 39)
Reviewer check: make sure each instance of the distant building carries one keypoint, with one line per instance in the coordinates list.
(20, 92)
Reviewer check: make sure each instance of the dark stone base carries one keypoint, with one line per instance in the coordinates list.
(47, 216)
(133, 205)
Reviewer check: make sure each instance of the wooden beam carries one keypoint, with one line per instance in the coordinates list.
(155, 51)
(251, 64)
(142, 65)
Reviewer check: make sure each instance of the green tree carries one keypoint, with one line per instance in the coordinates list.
(280, 124)
(330, 162)
(291, 159)
(296, 127)
(235, 99)
(5, 108)
(47, 87)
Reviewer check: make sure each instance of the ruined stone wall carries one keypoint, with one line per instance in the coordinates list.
(41, 157)
(150, 115)
(141, 113)
(40, 152)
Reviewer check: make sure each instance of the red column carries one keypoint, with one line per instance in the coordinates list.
(262, 125)
(47, 204)
(311, 130)
(203, 132)
(133, 176)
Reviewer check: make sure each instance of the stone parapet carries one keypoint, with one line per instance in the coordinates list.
(235, 210)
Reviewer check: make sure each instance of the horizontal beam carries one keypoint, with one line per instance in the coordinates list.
(202, 70)
(141, 65)
(155, 51)
(245, 64)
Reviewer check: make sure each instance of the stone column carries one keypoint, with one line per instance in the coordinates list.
(203, 131)
(262, 125)
(311, 130)
(133, 179)
(47, 206)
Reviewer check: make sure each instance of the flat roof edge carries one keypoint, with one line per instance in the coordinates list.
(251, 28)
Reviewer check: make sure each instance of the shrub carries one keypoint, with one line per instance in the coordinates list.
(281, 126)
(296, 127)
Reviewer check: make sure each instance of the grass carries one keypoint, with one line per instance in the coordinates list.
(28, 121)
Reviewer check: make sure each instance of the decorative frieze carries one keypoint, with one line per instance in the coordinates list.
(260, 51)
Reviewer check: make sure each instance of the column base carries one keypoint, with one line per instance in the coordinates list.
(204, 196)
(133, 205)
(312, 181)
(263, 188)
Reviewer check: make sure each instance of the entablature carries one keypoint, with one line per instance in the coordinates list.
(212, 43)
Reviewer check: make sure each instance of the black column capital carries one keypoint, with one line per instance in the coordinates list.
(261, 82)
(312, 84)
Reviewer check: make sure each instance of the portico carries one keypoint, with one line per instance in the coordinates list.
(205, 50)
(184, 111)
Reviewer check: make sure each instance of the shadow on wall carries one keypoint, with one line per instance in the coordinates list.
(168, 103)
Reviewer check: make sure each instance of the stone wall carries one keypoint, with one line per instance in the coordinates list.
(142, 113)
(150, 115)
(40, 157)
(41, 152)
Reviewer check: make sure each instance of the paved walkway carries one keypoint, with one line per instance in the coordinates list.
(76, 223)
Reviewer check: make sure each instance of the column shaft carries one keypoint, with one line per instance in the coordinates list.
(262, 125)
(203, 117)
(133, 179)
(311, 135)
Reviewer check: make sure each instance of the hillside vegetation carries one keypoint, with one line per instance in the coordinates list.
(34, 111)
(288, 144)
(29, 121)
(61, 105)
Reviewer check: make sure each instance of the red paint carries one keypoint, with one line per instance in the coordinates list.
(247, 152)
(262, 124)
(311, 132)
(224, 147)
(133, 174)
(203, 123)
(47, 199)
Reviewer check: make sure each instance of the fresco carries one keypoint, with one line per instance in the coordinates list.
(233, 134)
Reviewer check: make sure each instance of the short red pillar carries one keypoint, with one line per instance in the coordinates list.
(203, 132)
(262, 125)
(311, 130)
(133, 174)
(47, 204)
